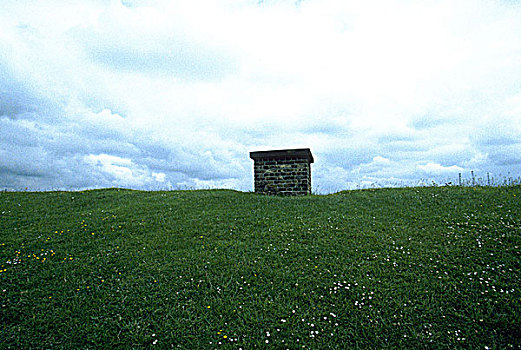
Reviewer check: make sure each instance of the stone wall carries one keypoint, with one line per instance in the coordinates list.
(285, 174)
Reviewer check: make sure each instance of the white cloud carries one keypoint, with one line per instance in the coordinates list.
(123, 172)
(115, 166)
(378, 164)
(437, 169)
(159, 177)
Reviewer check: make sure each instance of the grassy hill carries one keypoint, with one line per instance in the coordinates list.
(387, 268)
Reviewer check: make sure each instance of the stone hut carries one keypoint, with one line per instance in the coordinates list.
(285, 172)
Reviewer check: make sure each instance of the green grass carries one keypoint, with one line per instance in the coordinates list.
(387, 268)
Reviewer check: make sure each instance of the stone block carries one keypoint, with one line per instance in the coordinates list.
(285, 172)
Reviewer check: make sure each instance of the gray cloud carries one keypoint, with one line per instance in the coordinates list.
(159, 94)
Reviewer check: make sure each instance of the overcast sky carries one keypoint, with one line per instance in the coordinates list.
(160, 94)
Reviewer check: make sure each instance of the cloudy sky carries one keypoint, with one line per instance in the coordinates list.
(160, 94)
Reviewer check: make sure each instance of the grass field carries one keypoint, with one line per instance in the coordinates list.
(436, 267)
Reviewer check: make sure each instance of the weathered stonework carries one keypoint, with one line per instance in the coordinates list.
(285, 172)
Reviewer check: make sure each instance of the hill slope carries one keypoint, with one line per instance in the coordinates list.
(388, 268)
